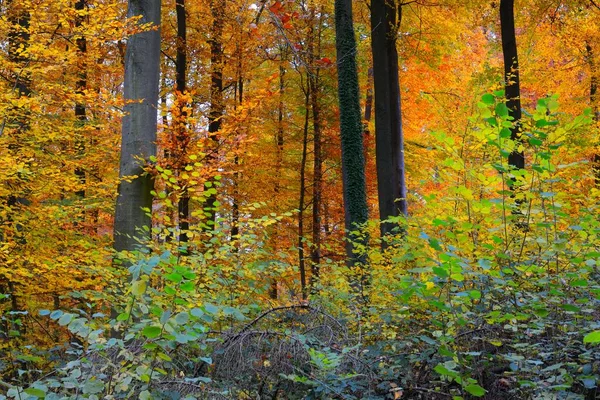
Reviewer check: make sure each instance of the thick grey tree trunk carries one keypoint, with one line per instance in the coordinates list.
(351, 129)
(391, 183)
(142, 70)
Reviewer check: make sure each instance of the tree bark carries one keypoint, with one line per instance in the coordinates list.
(279, 142)
(183, 206)
(142, 71)
(369, 100)
(389, 139)
(301, 205)
(217, 8)
(18, 44)
(315, 82)
(594, 104)
(351, 129)
(516, 159)
(80, 87)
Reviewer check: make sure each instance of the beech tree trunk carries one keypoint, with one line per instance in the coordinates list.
(301, 205)
(594, 104)
(80, 87)
(18, 43)
(183, 207)
(217, 8)
(142, 73)
(512, 87)
(351, 129)
(314, 81)
(389, 139)
(279, 141)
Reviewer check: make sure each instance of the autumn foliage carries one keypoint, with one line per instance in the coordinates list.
(489, 287)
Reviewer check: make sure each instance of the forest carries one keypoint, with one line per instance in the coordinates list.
(300, 199)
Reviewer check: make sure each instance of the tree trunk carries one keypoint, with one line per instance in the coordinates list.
(238, 101)
(301, 205)
(18, 44)
(279, 141)
(315, 82)
(594, 104)
(391, 183)
(142, 72)
(368, 101)
(351, 129)
(80, 87)
(516, 159)
(183, 206)
(217, 8)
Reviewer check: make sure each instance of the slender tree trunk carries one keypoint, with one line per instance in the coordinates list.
(279, 142)
(391, 182)
(512, 89)
(594, 104)
(80, 88)
(301, 205)
(369, 100)
(142, 74)
(183, 206)
(216, 100)
(315, 82)
(235, 206)
(18, 43)
(239, 88)
(351, 129)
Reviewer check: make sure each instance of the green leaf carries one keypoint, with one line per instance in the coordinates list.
(475, 294)
(138, 288)
(211, 309)
(475, 390)
(488, 99)
(187, 287)
(505, 133)
(535, 142)
(56, 314)
(174, 277)
(65, 319)
(435, 244)
(196, 312)
(593, 337)
(182, 318)
(151, 332)
(501, 110)
(40, 394)
(569, 307)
